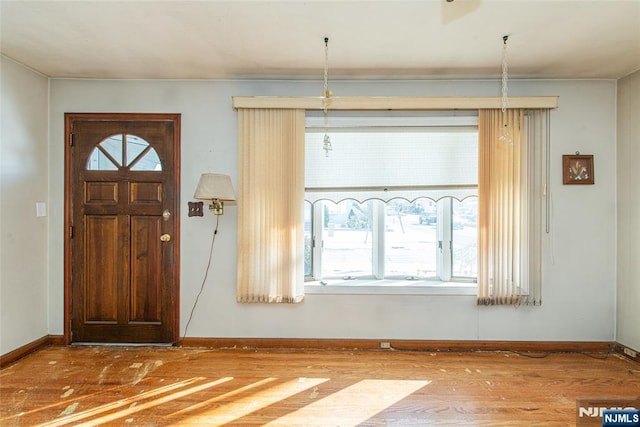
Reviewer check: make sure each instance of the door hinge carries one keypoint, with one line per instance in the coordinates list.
(71, 231)
(71, 139)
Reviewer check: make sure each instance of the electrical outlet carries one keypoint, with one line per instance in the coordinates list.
(627, 351)
(385, 344)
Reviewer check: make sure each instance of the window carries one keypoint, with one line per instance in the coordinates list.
(399, 240)
(396, 199)
(124, 151)
(512, 190)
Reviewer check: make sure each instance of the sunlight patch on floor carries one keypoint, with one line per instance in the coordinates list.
(352, 405)
(224, 396)
(246, 405)
(134, 404)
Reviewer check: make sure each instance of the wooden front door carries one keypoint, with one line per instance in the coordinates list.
(121, 213)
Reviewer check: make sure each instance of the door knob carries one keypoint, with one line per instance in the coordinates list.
(165, 237)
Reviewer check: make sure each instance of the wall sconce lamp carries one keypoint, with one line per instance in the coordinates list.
(216, 188)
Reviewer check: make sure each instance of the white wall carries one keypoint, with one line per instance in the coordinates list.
(579, 270)
(23, 182)
(628, 313)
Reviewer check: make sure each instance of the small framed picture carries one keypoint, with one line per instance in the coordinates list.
(577, 169)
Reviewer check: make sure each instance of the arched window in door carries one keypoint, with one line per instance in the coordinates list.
(124, 152)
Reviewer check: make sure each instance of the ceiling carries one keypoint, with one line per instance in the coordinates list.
(398, 39)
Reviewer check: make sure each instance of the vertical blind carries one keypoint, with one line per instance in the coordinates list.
(512, 205)
(270, 205)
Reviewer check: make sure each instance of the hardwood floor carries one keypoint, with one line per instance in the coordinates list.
(142, 386)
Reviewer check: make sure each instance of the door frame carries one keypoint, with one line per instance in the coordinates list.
(68, 207)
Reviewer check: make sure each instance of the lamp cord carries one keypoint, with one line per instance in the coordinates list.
(204, 280)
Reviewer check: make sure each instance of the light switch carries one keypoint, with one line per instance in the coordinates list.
(41, 209)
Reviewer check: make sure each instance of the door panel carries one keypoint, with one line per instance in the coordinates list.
(145, 193)
(122, 175)
(101, 249)
(145, 269)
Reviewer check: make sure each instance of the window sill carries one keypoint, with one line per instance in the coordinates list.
(389, 287)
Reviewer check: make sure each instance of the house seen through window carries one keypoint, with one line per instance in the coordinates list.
(395, 202)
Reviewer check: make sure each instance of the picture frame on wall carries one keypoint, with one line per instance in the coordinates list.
(577, 169)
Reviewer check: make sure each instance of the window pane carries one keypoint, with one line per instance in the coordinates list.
(347, 241)
(465, 238)
(410, 239)
(99, 162)
(149, 161)
(135, 146)
(308, 239)
(113, 146)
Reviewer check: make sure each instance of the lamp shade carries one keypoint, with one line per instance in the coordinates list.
(214, 186)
